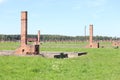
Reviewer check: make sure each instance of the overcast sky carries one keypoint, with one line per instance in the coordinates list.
(62, 17)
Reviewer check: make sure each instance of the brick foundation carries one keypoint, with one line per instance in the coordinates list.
(24, 47)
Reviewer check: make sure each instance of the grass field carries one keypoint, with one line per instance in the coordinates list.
(98, 64)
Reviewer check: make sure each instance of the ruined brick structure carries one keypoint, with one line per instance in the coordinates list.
(116, 43)
(24, 47)
(92, 44)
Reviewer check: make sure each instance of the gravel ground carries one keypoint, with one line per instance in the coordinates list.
(6, 53)
(44, 54)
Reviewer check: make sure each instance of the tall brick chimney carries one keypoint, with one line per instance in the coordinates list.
(91, 34)
(39, 36)
(23, 28)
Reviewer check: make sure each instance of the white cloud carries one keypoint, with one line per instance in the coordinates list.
(96, 3)
(1, 1)
(97, 14)
(97, 7)
(76, 8)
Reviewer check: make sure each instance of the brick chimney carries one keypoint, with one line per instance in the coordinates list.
(91, 34)
(39, 36)
(23, 28)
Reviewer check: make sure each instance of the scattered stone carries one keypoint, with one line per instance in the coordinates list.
(63, 55)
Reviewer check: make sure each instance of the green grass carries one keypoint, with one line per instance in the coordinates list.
(69, 46)
(62, 46)
(98, 64)
(9, 45)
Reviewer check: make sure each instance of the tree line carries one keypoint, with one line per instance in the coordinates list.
(57, 38)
